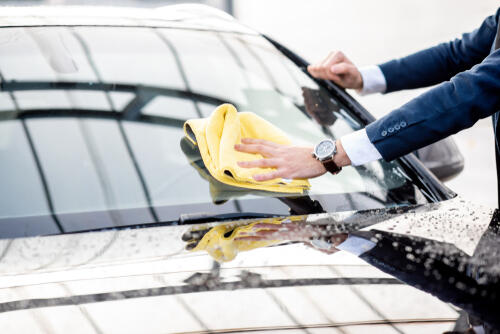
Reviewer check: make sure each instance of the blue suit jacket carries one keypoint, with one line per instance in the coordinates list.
(468, 70)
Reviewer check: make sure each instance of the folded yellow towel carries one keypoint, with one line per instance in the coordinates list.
(216, 137)
(220, 192)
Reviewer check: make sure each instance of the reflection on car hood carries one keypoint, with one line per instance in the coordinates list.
(449, 221)
(148, 273)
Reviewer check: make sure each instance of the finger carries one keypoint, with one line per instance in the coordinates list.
(260, 226)
(323, 68)
(260, 141)
(260, 235)
(338, 73)
(314, 71)
(255, 148)
(262, 163)
(340, 69)
(267, 233)
(333, 57)
(268, 226)
(336, 58)
(318, 70)
(311, 69)
(249, 239)
(335, 78)
(268, 176)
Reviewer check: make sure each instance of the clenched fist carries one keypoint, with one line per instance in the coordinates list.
(339, 69)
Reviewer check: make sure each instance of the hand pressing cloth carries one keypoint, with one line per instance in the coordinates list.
(216, 136)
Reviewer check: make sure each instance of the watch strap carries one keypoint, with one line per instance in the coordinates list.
(331, 166)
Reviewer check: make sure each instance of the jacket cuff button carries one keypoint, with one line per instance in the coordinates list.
(403, 124)
(384, 133)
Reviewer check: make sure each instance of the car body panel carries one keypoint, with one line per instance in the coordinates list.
(146, 278)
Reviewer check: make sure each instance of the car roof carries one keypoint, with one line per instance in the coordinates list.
(186, 16)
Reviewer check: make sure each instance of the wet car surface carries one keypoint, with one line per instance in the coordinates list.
(109, 221)
(110, 274)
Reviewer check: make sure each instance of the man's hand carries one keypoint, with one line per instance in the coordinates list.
(290, 162)
(292, 231)
(339, 69)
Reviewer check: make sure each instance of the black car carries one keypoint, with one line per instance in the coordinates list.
(106, 211)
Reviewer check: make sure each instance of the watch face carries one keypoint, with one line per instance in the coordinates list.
(325, 149)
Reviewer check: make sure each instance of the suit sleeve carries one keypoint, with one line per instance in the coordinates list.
(442, 111)
(440, 63)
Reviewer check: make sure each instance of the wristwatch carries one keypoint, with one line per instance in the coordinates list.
(325, 151)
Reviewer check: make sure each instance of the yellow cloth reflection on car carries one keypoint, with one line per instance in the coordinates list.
(221, 245)
(223, 242)
(216, 136)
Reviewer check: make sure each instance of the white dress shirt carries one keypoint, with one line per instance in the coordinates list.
(357, 146)
(373, 80)
(360, 150)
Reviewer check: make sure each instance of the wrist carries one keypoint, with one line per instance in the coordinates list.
(359, 84)
(341, 159)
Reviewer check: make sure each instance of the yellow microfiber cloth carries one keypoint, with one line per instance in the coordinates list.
(216, 136)
(219, 191)
(219, 242)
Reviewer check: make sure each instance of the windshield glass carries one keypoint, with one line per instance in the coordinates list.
(91, 128)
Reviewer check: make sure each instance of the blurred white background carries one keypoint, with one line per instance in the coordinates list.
(370, 32)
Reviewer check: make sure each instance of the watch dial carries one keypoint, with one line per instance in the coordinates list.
(324, 149)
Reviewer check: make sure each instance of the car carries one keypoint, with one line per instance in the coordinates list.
(110, 222)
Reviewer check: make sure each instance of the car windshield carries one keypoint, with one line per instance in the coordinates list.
(91, 128)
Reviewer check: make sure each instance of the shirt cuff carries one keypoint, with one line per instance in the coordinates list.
(356, 245)
(359, 149)
(373, 80)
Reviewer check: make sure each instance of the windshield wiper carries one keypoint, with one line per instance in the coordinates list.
(189, 219)
(202, 217)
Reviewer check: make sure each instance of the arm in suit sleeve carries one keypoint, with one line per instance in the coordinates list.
(439, 63)
(444, 110)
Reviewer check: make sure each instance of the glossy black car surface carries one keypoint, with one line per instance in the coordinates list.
(104, 206)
